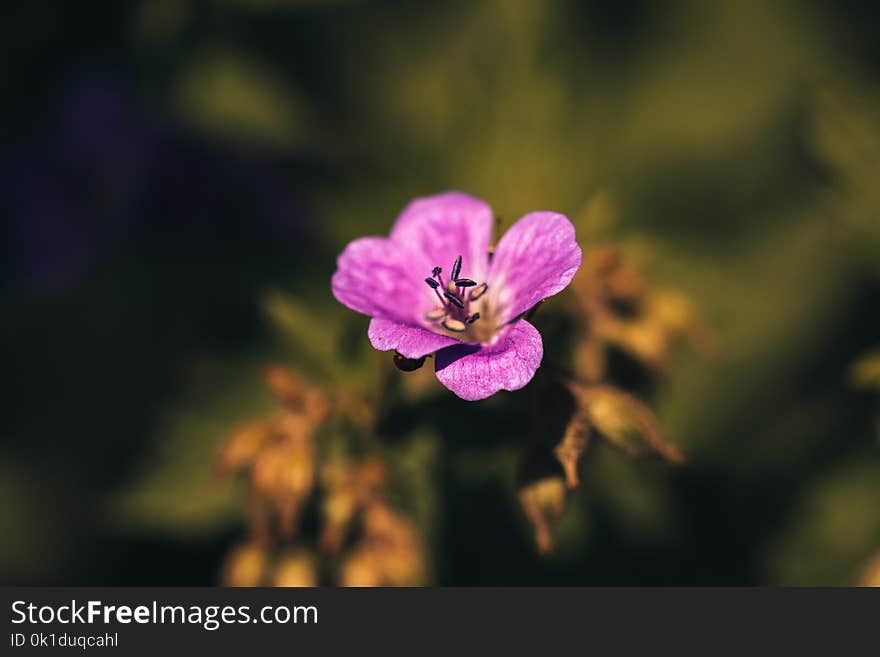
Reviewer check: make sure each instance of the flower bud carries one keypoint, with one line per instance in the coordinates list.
(408, 364)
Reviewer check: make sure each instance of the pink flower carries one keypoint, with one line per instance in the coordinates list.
(433, 287)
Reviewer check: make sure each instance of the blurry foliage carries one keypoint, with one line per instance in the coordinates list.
(224, 94)
(871, 573)
(289, 458)
(175, 493)
(833, 531)
(845, 133)
(727, 151)
(865, 372)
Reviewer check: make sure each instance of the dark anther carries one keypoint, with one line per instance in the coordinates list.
(434, 284)
(473, 318)
(465, 282)
(456, 268)
(408, 364)
(437, 271)
(458, 303)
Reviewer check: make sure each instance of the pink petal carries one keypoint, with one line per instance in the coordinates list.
(438, 229)
(407, 339)
(534, 260)
(478, 371)
(374, 276)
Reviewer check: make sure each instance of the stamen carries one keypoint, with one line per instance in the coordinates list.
(454, 325)
(456, 268)
(478, 292)
(454, 312)
(454, 300)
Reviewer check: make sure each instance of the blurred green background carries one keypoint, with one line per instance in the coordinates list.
(179, 176)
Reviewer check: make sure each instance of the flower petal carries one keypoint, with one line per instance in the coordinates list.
(438, 229)
(478, 371)
(534, 260)
(408, 340)
(374, 276)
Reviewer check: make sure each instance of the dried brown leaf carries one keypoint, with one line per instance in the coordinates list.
(572, 446)
(625, 422)
(543, 501)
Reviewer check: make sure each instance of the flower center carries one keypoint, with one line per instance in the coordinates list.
(458, 312)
